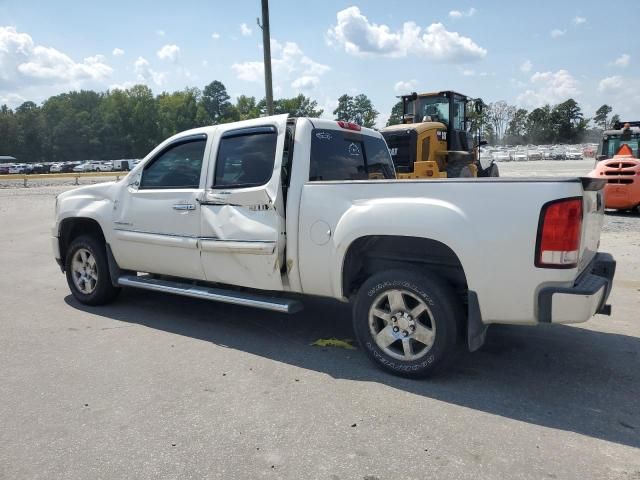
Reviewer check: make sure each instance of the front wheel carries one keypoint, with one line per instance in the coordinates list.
(406, 321)
(87, 272)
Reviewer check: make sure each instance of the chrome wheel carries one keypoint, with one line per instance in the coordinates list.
(84, 271)
(402, 325)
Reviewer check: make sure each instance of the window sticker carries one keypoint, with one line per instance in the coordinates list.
(354, 150)
(323, 135)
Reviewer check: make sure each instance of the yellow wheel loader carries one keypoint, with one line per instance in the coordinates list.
(433, 140)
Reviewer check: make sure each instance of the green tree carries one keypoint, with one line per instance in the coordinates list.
(299, 106)
(345, 109)
(215, 100)
(9, 132)
(178, 111)
(602, 115)
(615, 118)
(396, 114)
(247, 107)
(516, 132)
(539, 126)
(569, 121)
(365, 114)
(358, 109)
(30, 132)
(143, 108)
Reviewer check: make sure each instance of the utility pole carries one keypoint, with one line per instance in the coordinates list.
(266, 48)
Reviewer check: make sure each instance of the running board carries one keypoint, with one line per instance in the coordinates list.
(275, 304)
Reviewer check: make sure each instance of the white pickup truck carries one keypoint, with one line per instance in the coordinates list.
(262, 212)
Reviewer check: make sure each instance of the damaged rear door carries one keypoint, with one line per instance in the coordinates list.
(243, 220)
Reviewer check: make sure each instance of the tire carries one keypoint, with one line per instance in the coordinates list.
(87, 271)
(458, 169)
(430, 334)
(492, 171)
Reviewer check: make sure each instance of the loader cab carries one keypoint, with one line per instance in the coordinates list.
(448, 108)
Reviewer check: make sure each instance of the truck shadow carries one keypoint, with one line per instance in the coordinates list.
(561, 377)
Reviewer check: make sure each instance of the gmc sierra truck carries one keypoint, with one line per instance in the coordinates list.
(262, 212)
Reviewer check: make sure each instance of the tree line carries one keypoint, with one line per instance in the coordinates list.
(501, 123)
(128, 123)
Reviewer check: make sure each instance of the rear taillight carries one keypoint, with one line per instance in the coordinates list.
(559, 232)
(349, 125)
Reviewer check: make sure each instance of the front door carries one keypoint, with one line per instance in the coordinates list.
(242, 234)
(157, 219)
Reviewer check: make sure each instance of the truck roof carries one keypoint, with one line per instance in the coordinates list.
(323, 123)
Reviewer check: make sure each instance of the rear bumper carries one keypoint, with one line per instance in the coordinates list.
(587, 297)
(622, 195)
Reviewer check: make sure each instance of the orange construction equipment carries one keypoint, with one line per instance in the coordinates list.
(619, 162)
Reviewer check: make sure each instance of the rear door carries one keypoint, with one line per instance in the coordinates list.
(243, 220)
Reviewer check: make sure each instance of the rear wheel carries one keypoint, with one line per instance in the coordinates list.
(87, 271)
(406, 321)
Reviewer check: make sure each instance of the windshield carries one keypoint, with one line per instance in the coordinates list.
(612, 145)
(435, 109)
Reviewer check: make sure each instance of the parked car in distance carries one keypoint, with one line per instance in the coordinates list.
(123, 165)
(16, 169)
(4, 169)
(573, 154)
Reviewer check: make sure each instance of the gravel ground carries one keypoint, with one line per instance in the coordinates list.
(157, 386)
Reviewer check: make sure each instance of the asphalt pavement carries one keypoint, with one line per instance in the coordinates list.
(156, 386)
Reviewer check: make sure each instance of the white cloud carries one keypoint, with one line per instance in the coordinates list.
(12, 100)
(244, 30)
(205, 63)
(611, 84)
(557, 33)
(549, 87)
(622, 61)
(215, 35)
(526, 66)
(117, 52)
(358, 36)
(169, 52)
(623, 94)
(578, 20)
(121, 86)
(160, 33)
(305, 83)
(288, 61)
(467, 72)
(146, 74)
(405, 87)
(456, 14)
(24, 63)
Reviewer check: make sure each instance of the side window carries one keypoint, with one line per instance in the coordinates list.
(177, 167)
(246, 158)
(458, 115)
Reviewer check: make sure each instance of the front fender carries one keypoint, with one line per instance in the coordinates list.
(95, 202)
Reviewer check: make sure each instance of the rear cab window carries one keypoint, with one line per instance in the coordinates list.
(348, 155)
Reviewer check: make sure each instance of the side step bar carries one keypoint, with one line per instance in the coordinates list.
(275, 304)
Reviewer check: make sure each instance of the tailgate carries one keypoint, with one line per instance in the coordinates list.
(593, 219)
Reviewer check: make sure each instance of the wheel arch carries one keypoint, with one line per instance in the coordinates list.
(73, 227)
(371, 254)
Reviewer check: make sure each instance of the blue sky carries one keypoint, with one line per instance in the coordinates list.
(525, 53)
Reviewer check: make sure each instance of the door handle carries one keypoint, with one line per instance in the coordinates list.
(184, 206)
